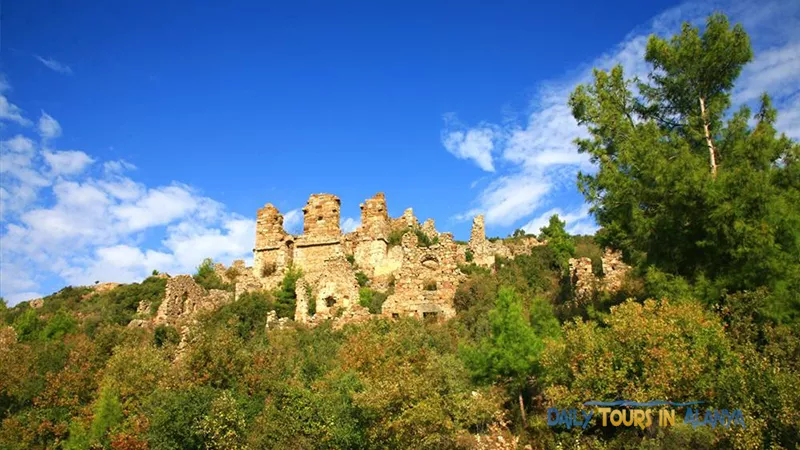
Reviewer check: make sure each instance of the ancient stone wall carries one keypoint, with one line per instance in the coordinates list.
(614, 270)
(424, 278)
(426, 281)
(407, 220)
(584, 283)
(484, 251)
(183, 298)
(429, 228)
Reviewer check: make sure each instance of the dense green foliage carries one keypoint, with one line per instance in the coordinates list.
(709, 312)
(207, 277)
(559, 241)
(731, 228)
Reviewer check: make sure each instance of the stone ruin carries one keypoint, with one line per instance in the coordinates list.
(584, 281)
(420, 281)
(484, 251)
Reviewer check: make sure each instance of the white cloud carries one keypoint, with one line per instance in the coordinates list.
(578, 221)
(161, 206)
(100, 225)
(511, 197)
(476, 144)
(349, 225)
(117, 167)
(49, 128)
(11, 112)
(67, 162)
(293, 221)
(54, 65)
(542, 159)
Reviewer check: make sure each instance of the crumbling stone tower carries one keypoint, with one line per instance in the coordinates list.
(273, 250)
(320, 255)
(374, 217)
(321, 216)
(372, 236)
(483, 251)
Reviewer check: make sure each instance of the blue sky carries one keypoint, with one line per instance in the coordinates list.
(145, 136)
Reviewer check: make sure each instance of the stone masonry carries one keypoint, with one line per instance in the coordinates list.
(184, 298)
(421, 281)
(485, 251)
(585, 283)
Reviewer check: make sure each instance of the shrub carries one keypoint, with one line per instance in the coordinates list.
(396, 237)
(58, 326)
(429, 285)
(165, 334)
(370, 299)
(268, 269)
(119, 305)
(423, 240)
(207, 277)
(286, 298)
(312, 303)
(175, 417)
(468, 255)
(351, 259)
(362, 278)
(248, 314)
(232, 273)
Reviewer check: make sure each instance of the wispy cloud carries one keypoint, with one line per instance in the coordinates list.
(534, 159)
(54, 65)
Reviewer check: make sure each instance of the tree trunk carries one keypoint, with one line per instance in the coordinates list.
(711, 150)
(522, 410)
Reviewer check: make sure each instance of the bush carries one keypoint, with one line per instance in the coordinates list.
(119, 305)
(207, 277)
(370, 299)
(248, 314)
(429, 285)
(396, 237)
(268, 269)
(362, 278)
(423, 240)
(176, 416)
(232, 273)
(468, 255)
(166, 334)
(286, 298)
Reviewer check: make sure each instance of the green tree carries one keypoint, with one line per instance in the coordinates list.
(207, 277)
(511, 351)
(559, 240)
(286, 297)
(679, 186)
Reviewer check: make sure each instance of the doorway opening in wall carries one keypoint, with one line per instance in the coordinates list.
(430, 316)
(330, 302)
